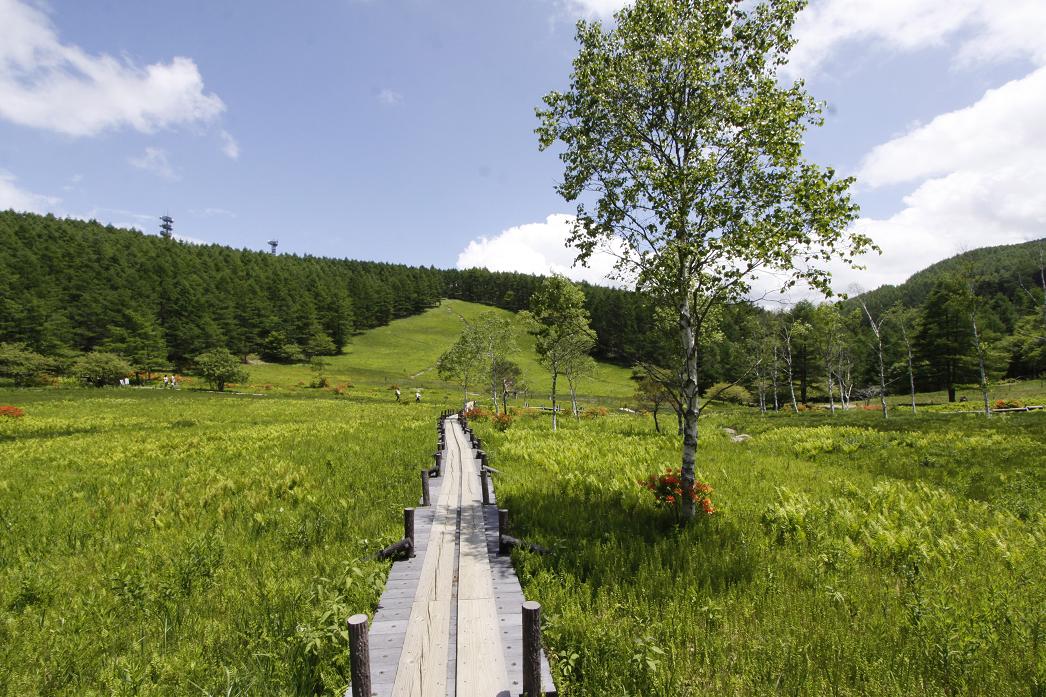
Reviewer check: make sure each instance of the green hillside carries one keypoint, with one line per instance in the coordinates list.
(995, 268)
(405, 352)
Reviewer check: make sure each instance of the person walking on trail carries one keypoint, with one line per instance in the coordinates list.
(417, 396)
(397, 394)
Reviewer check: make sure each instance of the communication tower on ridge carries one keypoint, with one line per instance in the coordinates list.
(273, 243)
(166, 226)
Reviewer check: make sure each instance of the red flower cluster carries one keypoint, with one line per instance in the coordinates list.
(13, 412)
(669, 490)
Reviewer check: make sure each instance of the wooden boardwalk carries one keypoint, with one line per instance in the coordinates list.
(449, 623)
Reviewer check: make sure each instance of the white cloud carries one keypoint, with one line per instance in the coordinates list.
(47, 84)
(982, 29)
(978, 173)
(1004, 123)
(229, 146)
(155, 160)
(536, 248)
(14, 198)
(390, 97)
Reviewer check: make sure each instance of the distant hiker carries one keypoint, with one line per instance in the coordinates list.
(397, 394)
(165, 381)
(417, 396)
(174, 382)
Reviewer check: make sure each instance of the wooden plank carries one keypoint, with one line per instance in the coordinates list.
(481, 663)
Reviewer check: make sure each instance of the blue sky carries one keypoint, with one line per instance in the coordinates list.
(402, 130)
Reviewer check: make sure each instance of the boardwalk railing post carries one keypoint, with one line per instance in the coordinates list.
(425, 500)
(531, 648)
(502, 529)
(359, 656)
(483, 484)
(408, 527)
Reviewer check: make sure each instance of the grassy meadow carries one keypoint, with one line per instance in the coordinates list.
(180, 543)
(848, 557)
(405, 352)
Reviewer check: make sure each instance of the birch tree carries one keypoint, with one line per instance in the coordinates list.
(682, 143)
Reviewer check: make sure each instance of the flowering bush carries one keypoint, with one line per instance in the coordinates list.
(594, 412)
(669, 491)
(475, 414)
(12, 412)
(501, 421)
(1008, 404)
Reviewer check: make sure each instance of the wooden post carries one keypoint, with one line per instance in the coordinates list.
(502, 529)
(359, 656)
(483, 483)
(483, 460)
(408, 527)
(425, 501)
(531, 648)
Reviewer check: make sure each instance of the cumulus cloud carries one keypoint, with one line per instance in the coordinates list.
(155, 160)
(981, 29)
(12, 197)
(978, 173)
(536, 248)
(55, 86)
(1004, 123)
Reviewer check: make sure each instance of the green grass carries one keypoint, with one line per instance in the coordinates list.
(850, 556)
(405, 352)
(178, 543)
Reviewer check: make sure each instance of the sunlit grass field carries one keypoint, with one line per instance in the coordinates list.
(177, 543)
(405, 352)
(849, 556)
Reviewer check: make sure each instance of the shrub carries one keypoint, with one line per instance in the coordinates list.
(669, 492)
(1008, 404)
(12, 412)
(476, 414)
(220, 368)
(725, 392)
(501, 421)
(26, 368)
(98, 369)
(594, 412)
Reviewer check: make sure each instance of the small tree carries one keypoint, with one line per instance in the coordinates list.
(559, 321)
(580, 365)
(650, 394)
(906, 319)
(461, 363)
(319, 367)
(98, 369)
(679, 126)
(219, 367)
(508, 374)
(492, 337)
(876, 325)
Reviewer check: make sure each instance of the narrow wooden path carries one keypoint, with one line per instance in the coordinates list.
(449, 623)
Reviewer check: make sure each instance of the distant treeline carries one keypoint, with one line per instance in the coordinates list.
(69, 286)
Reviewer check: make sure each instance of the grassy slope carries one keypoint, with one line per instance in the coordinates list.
(405, 353)
(849, 556)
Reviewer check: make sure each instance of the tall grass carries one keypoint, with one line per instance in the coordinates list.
(848, 556)
(172, 543)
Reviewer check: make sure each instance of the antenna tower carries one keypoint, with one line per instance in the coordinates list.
(166, 226)
(273, 243)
